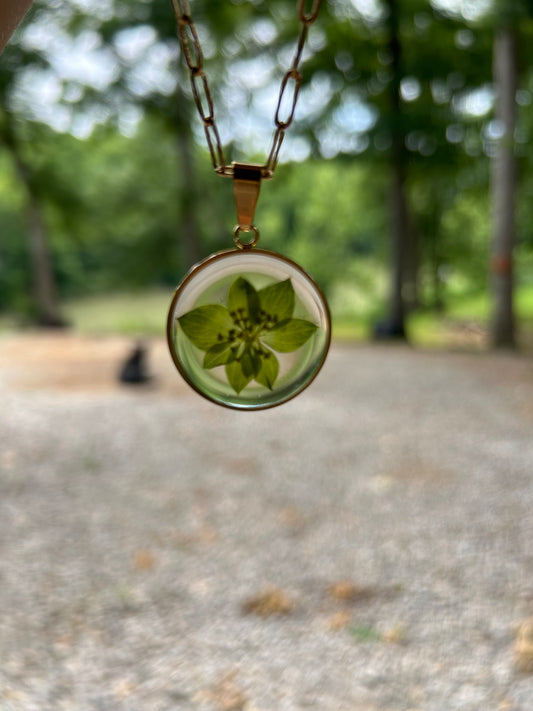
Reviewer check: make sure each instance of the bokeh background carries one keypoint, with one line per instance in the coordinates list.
(365, 547)
(404, 183)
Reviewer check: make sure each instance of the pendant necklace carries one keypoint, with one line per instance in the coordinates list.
(247, 328)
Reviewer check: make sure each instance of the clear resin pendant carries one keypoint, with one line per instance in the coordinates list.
(248, 329)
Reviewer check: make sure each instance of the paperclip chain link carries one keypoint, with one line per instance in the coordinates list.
(291, 82)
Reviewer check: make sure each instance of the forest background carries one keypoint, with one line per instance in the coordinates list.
(405, 183)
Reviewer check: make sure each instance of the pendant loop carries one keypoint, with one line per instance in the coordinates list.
(238, 241)
(246, 187)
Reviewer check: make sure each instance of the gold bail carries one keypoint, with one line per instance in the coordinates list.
(246, 187)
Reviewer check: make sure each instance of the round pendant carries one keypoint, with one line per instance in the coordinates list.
(248, 329)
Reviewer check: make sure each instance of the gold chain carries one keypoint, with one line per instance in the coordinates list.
(192, 51)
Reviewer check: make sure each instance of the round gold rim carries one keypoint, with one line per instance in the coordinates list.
(230, 253)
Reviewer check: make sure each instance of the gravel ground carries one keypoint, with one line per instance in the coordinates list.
(367, 546)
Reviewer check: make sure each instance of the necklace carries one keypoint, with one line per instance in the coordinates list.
(247, 328)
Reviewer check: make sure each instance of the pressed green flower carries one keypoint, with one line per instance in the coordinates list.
(244, 336)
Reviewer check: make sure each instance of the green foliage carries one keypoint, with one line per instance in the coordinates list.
(365, 633)
(243, 336)
(117, 204)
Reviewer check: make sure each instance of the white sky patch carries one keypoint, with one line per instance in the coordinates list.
(455, 133)
(294, 148)
(440, 91)
(264, 31)
(316, 40)
(523, 97)
(476, 103)
(265, 100)
(153, 73)
(371, 10)
(47, 87)
(286, 55)
(131, 44)
(353, 116)
(207, 44)
(128, 120)
(495, 130)
(82, 124)
(253, 73)
(250, 94)
(470, 10)
(101, 8)
(42, 36)
(315, 95)
(83, 60)
(334, 142)
(46, 84)
(464, 39)
(410, 88)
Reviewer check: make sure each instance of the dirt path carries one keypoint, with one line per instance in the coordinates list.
(367, 546)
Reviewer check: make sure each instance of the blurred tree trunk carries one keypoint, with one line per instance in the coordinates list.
(190, 230)
(189, 205)
(45, 293)
(436, 263)
(398, 204)
(503, 188)
(411, 294)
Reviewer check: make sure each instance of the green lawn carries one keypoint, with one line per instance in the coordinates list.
(138, 313)
(464, 323)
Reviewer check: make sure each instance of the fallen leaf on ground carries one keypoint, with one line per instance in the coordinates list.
(348, 591)
(524, 647)
(291, 517)
(339, 621)
(271, 601)
(144, 560)
(124, 688)
(395, 635)
(225, 694)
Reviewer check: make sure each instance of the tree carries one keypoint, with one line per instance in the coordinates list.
(503, 187)
(46, 303)
(399, 214)
(510, 40)
(412, 68)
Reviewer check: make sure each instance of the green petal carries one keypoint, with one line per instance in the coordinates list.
(236, 377)
(206, 325)
(219, 354)
(289, 335)
(242, 297)
(250, 363)
(278, 299)
(269, 371)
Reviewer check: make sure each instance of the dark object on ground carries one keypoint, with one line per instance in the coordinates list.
(52, 322)
(386, 330)
(133, 371)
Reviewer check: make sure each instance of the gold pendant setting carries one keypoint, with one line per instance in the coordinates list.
(248, 328)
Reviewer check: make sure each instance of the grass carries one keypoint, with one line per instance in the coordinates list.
(140, 313)
(365, 633)
(464, 323)
(467, 318)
